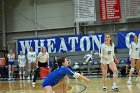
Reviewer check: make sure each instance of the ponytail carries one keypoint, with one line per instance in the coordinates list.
(60, 61)
(55, 64)
(59, 64)
(111, 43)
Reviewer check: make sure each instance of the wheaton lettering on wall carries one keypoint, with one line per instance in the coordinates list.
(110, 9)
(62, 43)
(125, 38)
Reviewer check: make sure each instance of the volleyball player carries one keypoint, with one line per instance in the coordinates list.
(22, 62)
(31, 57)
(58, 76)
(134, 54)
(108, 57)
(11, 59)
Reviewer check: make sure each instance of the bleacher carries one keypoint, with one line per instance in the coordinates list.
(91, 69)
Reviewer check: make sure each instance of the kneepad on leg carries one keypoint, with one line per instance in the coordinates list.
(132, 69)
(115, 74)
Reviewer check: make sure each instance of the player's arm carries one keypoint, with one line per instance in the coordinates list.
(75, 74)
(81, 77)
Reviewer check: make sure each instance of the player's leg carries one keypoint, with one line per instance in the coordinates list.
(65, 84)
(36, 75)
(9, 71)
(20, 73)
(29, 70)
(104, 68)
(48, 89)
(62, 86)
(24, 72)
(138, 67)
(132, 60)
(12, 70)
(113, 67)
(126, 68)
(33, 65)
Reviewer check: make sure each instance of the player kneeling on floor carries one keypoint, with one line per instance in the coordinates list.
(58, 77)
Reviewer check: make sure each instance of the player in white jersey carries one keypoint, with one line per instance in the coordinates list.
(11, 59)
(134, 54)
(22, 62)
(107, 56)
(31, 57)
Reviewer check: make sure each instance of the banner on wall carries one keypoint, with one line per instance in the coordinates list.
(85, 10)
(110, 9)
(125, 38)
(62, 43)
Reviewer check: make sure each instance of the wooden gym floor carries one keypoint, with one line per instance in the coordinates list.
(25, 86)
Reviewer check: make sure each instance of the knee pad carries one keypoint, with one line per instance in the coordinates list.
(19, 72)
(115, 74)
(132, 69)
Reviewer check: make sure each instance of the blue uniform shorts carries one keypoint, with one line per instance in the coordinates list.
(10, 62)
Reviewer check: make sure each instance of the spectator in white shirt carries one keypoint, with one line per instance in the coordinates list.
(31, 57)
(22, 62)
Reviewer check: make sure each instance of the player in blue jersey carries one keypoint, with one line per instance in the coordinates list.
(58, 76)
